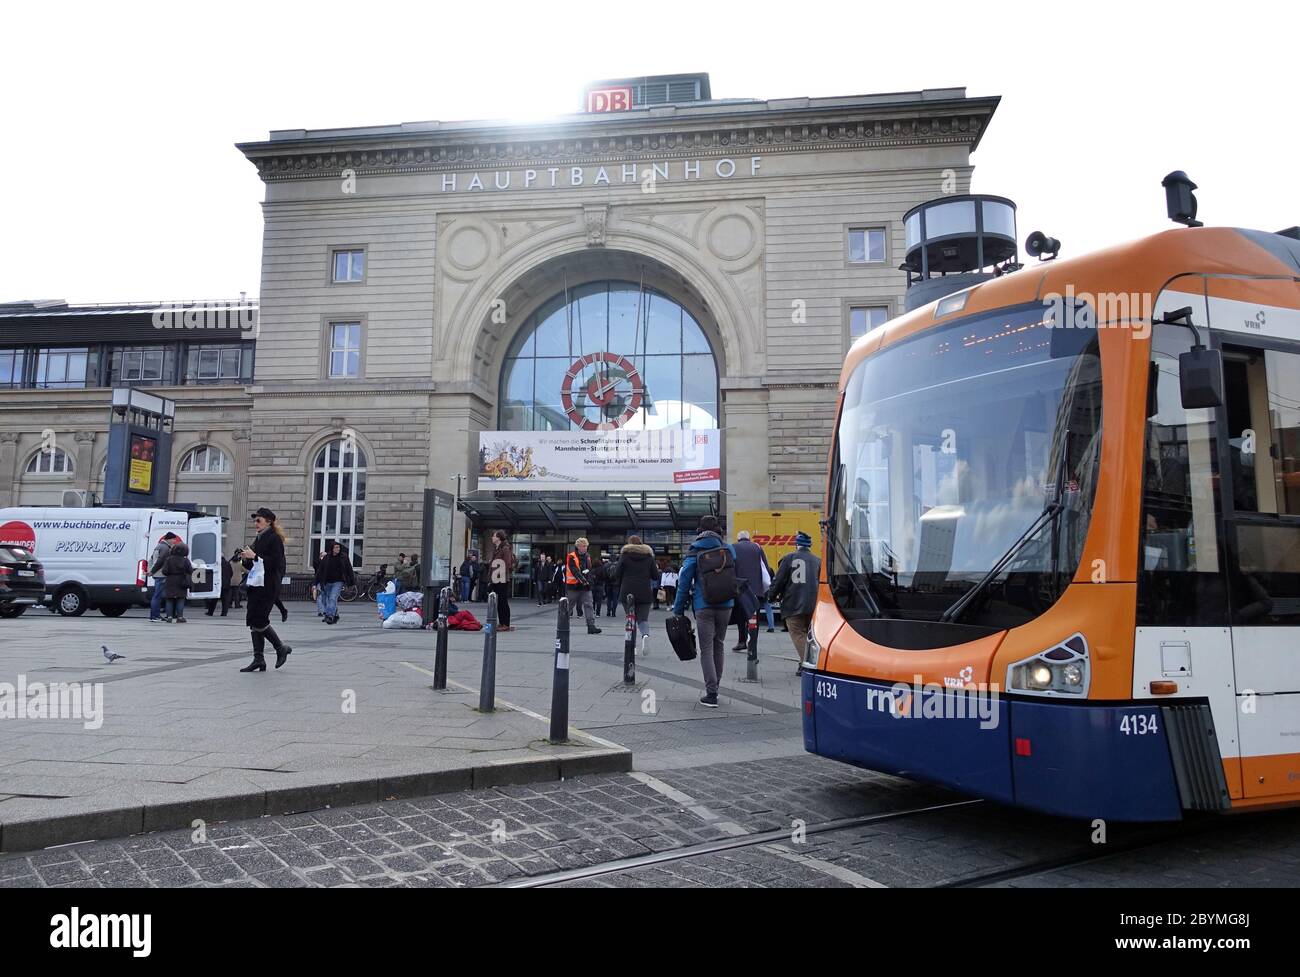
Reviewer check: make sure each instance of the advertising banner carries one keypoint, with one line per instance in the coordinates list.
(670, 460)
(140, 475)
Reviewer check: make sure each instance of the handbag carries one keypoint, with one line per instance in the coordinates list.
(681, 635)
(257, 575)
(661, 595)
(767, 578)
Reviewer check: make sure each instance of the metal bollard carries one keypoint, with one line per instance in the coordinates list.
(629, 642)
(487, 692)
(560, 680)
(440, 649)
(751, 659)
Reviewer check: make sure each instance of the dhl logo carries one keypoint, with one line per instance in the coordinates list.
(764, 540)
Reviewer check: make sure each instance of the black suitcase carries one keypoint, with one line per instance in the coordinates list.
(681, 635)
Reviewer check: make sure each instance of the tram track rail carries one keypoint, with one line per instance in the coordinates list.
(1146, 838)
(618, 866)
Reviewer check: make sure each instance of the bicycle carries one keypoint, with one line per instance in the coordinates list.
(368, 590)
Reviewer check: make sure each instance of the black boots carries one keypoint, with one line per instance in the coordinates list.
(258, 664)
(281, 649)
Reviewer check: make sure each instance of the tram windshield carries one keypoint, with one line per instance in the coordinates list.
(967, 449)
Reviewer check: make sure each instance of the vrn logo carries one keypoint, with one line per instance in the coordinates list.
(895, 702)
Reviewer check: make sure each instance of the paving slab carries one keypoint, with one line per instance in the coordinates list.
(184, 737)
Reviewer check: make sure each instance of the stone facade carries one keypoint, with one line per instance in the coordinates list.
(738, 210)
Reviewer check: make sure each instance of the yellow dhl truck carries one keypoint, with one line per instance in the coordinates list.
(775, 531)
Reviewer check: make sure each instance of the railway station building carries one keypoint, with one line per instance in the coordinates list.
(500, 301)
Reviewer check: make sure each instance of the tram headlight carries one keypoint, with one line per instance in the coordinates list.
(1060, 670)
(812, 651)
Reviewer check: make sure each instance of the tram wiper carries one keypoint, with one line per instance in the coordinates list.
(1048, 514)
(1051, 512)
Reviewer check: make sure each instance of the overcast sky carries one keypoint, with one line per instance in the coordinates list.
(119, 121)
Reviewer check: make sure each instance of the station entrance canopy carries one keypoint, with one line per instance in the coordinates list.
(575, 513)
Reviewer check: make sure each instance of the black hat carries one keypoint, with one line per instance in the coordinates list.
(265, 513)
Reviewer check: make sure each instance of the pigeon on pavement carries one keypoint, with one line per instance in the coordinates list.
(109, 656)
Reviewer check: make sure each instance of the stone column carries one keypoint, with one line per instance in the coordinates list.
(744, 447)
(8, 468)
(239, 494)
(85, 458)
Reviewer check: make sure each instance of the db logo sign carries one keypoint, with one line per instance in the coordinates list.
(701, 439)
(609, 100)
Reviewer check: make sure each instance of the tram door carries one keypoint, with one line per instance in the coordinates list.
(1262, 528)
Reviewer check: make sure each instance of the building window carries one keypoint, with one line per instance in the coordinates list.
(338, 500)
(214, 510)
(866, 245)
(54, 462)
(208, 460)
(11, 367)
(218, 364)
(64, 368)
(345, 349)
(609, 355)
(349, 266)
(864, 318)
(142, 364)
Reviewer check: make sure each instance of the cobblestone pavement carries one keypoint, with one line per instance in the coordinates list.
(508, 834)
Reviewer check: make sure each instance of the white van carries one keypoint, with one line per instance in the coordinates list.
(100, 557)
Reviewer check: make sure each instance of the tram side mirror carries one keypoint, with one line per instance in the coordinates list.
(1200, 376)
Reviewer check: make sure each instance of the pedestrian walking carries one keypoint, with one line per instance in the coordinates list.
(556, 570)
(333, 573)
(468, 574)
(708, 584)
(227, 575)
(752, 567)
(668, 582)
(795, 586)
(237, 574)
(158, 576)
(634, 574)
(176, 570)
(265, 562)
(540, 578)
(317, 591)
(599, 582)
(577, 581)
(501, 567)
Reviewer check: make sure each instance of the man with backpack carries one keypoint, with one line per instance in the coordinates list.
(708, 580)
(795, 586)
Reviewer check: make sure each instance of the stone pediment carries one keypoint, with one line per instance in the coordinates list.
(885, 125)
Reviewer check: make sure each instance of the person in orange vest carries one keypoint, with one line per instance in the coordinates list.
(577, 581)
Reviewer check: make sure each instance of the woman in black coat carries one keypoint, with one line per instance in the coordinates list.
(635, 573)
(177, 570)
(269, 548)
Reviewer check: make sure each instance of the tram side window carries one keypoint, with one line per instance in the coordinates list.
(1263, 410)
(1179, 579)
